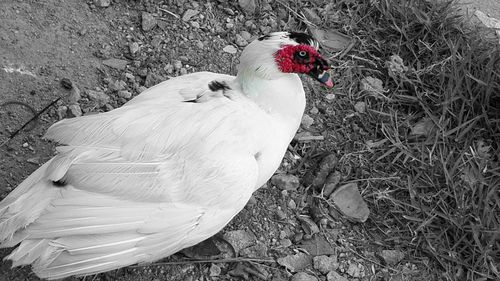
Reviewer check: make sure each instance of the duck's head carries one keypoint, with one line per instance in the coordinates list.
(276, 54)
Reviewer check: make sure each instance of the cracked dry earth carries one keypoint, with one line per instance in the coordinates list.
(110, 52)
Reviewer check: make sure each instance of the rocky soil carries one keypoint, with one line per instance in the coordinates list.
(62, 59)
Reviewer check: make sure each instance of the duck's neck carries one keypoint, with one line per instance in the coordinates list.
(281, 95)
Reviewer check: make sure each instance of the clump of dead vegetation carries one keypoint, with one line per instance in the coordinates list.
(437, 131)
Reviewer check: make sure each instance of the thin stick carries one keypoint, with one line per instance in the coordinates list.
(170, 13)
(231, 260)
(35, 117)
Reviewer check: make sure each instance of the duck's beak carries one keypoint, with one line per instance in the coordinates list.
(320, 72)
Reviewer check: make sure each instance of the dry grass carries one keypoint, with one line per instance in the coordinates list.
(443, 199)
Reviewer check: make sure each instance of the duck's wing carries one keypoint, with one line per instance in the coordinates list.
(137, 184)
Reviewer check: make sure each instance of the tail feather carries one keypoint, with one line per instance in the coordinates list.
(28, 252)
(21, 189)
(25, 209)
(67, 265)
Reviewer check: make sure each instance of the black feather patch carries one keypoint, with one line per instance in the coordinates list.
(264, 37)
(59, 183)
(215, 86)
(301, 38)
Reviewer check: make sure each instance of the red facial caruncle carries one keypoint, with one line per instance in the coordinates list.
(288, 61)
(304, 58)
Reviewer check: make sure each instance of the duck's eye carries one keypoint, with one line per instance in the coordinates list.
(303, 54)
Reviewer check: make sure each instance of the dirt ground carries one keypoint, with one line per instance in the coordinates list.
(44, 41)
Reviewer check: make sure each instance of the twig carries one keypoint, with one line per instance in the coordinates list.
(310, 138)
(170, 13)
(231, 260)
(35, 117)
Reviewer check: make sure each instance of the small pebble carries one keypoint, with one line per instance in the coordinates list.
(102, 3)
(330, 96)
(66, 83)
(215, 270)
(195, 24)
(285, 242)
(133, 47)
(148, 21)
(177, 65)
(240, 41)
(124, 94)
(285, 181)
(314, 110)
(230, 49)
(307, 121)
(246, 35)
(325, 264)
(74, 110)
(280, 214)
(360, 107)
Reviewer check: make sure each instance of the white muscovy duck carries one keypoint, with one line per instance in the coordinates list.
(165, 171)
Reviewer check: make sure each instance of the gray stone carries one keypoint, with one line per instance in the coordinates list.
(325, 264)
(258, 250)
(354, 270)
(285, 181)
(334, 276)
(348, 200)
(240, 239)
(215, 270)
(74, 110)
(296, 262)
(133, 47)
(99, 97)
(177, 65)
(240, 41)
(373, 86)
(116, 63)
(307, 121)
(302, 276)
(117, 85)
(318, 246)
(360, 107)
(124, 94)
(230, 49)
(102, 3)
(195, 24)
(246, 35)
(148, 21)
(169, 68)
(392, 257)
(285, 243)
(62, 111)
(248, 6)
